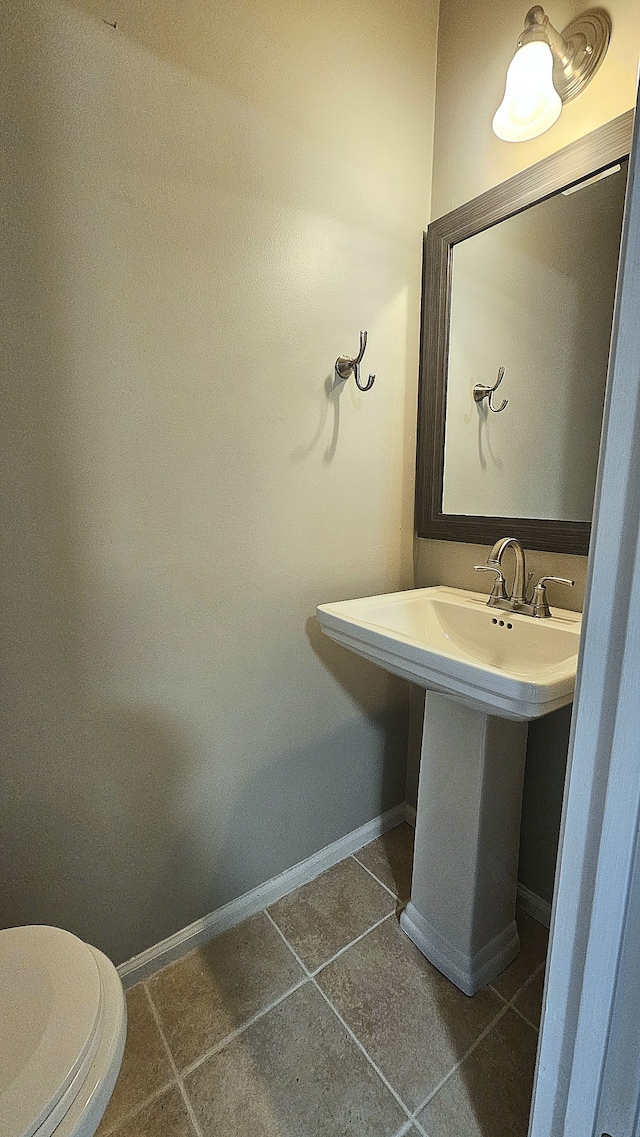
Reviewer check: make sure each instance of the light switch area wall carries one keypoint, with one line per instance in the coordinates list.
(205, 205)
(468, 159)
(534, 295)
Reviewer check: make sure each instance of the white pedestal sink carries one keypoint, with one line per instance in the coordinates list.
(487, 672)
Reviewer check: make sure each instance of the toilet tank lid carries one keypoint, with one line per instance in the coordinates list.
(50, 1010)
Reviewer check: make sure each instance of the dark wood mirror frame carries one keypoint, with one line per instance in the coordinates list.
(589, 155)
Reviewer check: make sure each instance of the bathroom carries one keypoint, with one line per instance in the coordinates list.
(208, 202)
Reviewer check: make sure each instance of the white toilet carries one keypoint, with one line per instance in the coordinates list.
(62, 1032)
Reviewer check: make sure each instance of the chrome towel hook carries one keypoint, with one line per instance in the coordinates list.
(480, 392)
(346, 367)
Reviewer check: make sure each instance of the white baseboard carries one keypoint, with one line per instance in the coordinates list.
(177, 945)
(534, 905)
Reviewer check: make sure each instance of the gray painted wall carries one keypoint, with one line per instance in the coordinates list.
(203, 214)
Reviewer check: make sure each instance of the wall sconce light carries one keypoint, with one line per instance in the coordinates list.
(548, 69)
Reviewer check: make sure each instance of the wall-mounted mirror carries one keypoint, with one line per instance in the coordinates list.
(519, 289)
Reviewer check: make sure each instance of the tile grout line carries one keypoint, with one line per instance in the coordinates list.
(501, 997)
(308, 975)
(525, 1019)
(187, 1103)
(287, 944)
(308, 978)
(337, 1013)
(241, 1029)
(404, 1129)
(351, 944)
(136, 1109)
(412, 1118)
(363, 1050)
(317, 970)
(156, 1019)
(464, 1057)
(372, 874)
(409, 1128)
(529, 981)
(189, 1108)
(339, 1017)
(421, 1129)
(508, 1005)
(521, 990)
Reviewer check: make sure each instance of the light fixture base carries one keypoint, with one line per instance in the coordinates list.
(587, 39)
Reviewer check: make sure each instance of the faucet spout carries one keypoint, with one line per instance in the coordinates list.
(495, 558)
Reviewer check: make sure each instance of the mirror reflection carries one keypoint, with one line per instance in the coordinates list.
(534, 295)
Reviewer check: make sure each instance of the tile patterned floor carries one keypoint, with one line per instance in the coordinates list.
(319, 1018)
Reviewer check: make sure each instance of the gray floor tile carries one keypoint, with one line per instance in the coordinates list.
(293, 1073)
(412, 1021)
(325, 915)
(390, 858)
(533, 951)
(167, 1116)
(530, 1001)
(490, 1094)
(145, 1064)
(215, 989)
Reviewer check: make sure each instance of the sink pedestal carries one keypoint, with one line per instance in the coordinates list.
(476, 663)
(462, 909)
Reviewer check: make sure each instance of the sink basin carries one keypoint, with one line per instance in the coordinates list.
(448, 640)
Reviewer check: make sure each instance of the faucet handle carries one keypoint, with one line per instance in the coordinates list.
(558, 580)
(498, 591)
(539, 601)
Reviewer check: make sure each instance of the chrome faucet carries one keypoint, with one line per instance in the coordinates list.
(537, 606)
(494, 560)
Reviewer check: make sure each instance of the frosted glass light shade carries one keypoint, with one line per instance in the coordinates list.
(531, 103)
